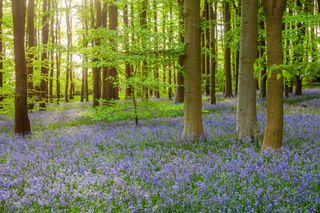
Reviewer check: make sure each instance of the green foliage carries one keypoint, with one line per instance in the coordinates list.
(123, 110)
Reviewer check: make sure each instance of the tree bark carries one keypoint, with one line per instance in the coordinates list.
(274, 10)
(44, 56)
(227, 51)
(112, 75)
(30, 58)
(52, 52)
(213, 19)
(58, 54)
(207, 45)
(179, 94)
(96, 70)
(21, 119)
(143, 24)
(193, 127)
(247, 123)
(1, 52)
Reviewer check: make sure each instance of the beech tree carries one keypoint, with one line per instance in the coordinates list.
(274, 10)
(96, 71)
(193, 127)
(247, 123)
(21, 119)
(1, 51)
(31, 45)
(44, 56)
(227, 50)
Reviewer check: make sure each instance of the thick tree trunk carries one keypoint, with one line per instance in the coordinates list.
(274, 10)
(247, 123)
(44, 56)
(193, 127)
(227, 51)
(21, 119)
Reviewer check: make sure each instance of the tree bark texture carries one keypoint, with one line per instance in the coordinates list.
(227, 51)
(21, 119)
(274, 10)
(247, 123)
(193, 127)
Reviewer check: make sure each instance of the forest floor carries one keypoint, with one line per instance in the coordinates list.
(84, 160)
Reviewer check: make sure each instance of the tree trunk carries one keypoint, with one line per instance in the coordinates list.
(104, 87)
(247, 123)
(58, 54)
(193, 127)
(1, 53)
(44, 56)
(207, 45)
(274, 10)
(52, 19)
(30, 58)
(298, 85)
(227, 51)
(179, 94)
(127, 42)
(96, 71)
(21, 119)
(263, 73)
(69, 37)
(112, 75)
(213, 19)
(143, 24)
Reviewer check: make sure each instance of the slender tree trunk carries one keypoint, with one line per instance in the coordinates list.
(274, 10)
(301, 30)
(193, 127)
(127, 42)
(213, 19)
(21, 119)
(30, 58)
(247, 123)
(69, 37)
(58, 54)
(52, 23)
(96, 71)
(237, 65)
(1, 53)
(263, 73)
(143, 24)
(227, 51)
(207, 55)
(44, 56)
(179, 94)
(104, 87)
